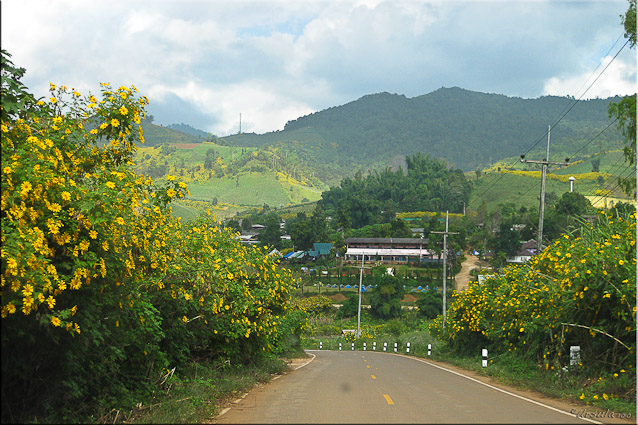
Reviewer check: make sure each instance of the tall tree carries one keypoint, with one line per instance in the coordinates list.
(301, 232)
(385, 300)
(625, 110)
(319, 225)
(271, 235)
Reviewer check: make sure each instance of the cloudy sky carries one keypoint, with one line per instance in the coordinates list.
(204, 63)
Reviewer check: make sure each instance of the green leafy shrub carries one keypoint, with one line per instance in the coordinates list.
(430, 304)
(349, 307)
(578, 291)
(101, 287)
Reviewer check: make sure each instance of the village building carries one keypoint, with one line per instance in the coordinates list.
(526, 251)
(389, 250)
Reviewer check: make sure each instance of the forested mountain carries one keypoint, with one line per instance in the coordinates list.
(185, 128)
(468, 129)
(155, 135)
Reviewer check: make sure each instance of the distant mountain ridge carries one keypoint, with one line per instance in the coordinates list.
(185, 128)
(468, 129)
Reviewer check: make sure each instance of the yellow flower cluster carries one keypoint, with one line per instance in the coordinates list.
(560, 177)
(76, 214)
(577, 290)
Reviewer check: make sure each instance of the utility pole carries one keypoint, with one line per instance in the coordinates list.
(359, 310)
(541, 209)
(445, 264)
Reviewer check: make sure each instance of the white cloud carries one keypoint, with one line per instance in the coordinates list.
(262, 108)
(274, 60)
(611, 79)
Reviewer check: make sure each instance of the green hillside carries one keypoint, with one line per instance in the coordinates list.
(468, 129)
(522, 188)
(252, 189)
(226, 179)
(156, 135)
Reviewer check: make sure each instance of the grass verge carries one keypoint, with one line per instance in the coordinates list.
(194, 394)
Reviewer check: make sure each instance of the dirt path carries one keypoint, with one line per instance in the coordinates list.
(463, 277)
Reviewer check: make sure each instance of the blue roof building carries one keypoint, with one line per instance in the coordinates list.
(320, 250)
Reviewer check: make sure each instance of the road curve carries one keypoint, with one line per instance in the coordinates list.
(376, 387)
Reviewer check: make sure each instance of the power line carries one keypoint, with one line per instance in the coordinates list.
(562, 115)
(594, 138)
(609, 189)
(575, 153)
(613, 185)
(581, 96)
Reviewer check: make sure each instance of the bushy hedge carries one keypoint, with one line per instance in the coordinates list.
(578, 291)
(102, 290)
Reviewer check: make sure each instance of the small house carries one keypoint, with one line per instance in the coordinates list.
(525, 252)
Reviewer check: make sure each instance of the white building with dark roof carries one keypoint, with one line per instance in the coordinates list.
(526, 251)
(390, 250)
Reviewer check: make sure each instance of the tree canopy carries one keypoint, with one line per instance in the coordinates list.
(427, 185)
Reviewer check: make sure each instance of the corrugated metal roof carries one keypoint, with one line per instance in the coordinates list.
(387, 240)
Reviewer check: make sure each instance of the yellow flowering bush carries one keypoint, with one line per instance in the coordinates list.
(313, 305)
(578, 291)
(421, 214)
(559, 177)
(100, 286)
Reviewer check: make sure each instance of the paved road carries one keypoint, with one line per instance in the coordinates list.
(374, 387)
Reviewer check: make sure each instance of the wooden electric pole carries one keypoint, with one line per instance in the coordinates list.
(541, 209)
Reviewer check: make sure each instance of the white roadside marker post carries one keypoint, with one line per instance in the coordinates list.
(385, 346)
(353, 346)
(395, 346)
(320, 345)
(574, 355)
(374, 346)
(364, 346)
(339, 346)
(407, 349)
(429, 349)
(484, 353)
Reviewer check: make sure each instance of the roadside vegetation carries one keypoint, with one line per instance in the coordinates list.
(579, 292)
(115, 307)
(107, 299)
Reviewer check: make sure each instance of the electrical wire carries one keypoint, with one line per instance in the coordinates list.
(609, 189)
(555, 123)
(594, 138)
(574, 154)
(558, 120)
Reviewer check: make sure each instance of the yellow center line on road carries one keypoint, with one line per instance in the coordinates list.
(368, 366)
(373, 377)
(388, 399)
(366, 361)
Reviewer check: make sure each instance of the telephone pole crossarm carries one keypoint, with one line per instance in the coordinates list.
(563, 164)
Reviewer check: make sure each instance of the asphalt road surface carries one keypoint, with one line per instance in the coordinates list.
(377, 387)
